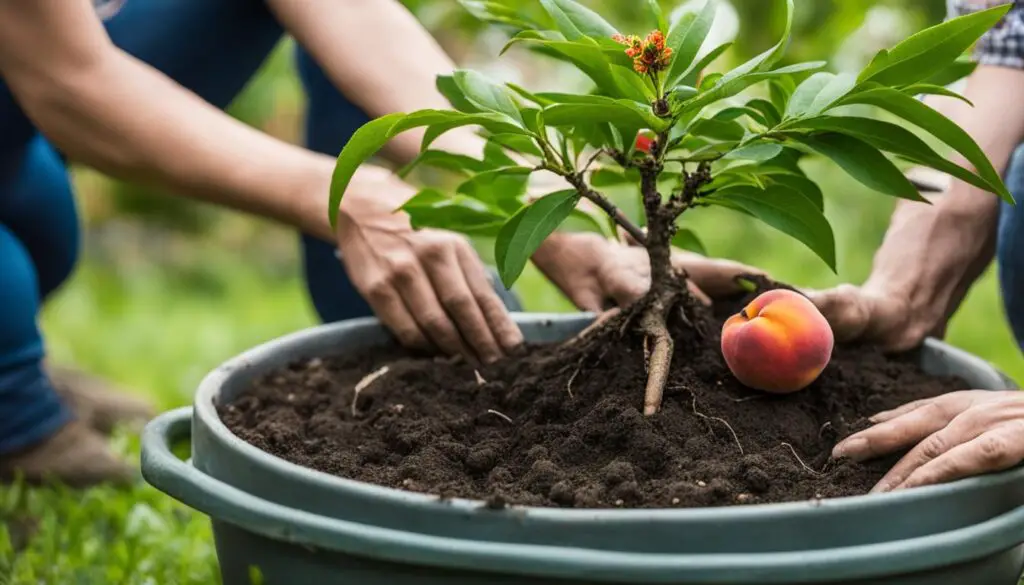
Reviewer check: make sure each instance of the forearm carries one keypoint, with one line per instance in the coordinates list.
(932, 254)
(130, 121)
(381, 58)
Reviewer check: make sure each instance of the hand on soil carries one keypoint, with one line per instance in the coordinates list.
(778, 343)
(953, 436)
(596, 273)
(428, 287)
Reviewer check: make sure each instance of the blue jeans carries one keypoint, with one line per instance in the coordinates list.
(1010, 252)
(212, 47)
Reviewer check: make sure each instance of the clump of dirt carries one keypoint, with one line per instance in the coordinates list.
(562, 425)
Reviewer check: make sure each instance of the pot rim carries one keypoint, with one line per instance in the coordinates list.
(228, 504)
(209, 390)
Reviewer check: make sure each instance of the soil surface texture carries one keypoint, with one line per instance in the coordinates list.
(561, 425)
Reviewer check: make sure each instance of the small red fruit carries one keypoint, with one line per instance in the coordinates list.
(644, 141)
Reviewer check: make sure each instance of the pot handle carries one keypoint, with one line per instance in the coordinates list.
(225, 503)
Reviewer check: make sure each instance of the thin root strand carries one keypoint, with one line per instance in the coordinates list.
(364, 384)
(799, 460)
(501, 415)
(719, 420)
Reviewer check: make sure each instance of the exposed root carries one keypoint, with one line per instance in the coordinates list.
(479, 379)
(660, 360)
(599, 322)
(501, 415)
(748, 398)
(799, 460)
(717, 419)
(572, 378)
(363, 385)
(821, 431)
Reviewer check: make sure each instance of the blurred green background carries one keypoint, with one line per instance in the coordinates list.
(167, 289)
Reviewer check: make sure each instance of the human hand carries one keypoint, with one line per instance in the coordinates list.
(596, 273)
(957, 435)
(872, 314)
(427, 286)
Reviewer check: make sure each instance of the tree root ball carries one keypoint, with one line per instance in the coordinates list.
(778, 343)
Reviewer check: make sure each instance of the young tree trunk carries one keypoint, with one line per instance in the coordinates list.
(666, 289)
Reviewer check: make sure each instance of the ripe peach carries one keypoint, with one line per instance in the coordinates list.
(778, 343)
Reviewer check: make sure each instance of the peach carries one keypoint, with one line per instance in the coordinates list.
(778, 343)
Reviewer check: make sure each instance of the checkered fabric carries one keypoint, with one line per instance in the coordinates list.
(1003, 45)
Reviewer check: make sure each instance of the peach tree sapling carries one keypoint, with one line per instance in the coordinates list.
(685, 139)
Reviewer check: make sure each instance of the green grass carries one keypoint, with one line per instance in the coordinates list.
(156, 316)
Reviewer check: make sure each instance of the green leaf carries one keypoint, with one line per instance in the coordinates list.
(498, 188)
(458, 163)
(425, 198)
(659, 15)
(687, 36)
(959, 69)
(631, 85)
(576, 21)
(527, 229)
(365, 142)
(787, 211)
(496, 13)
(527, 95)
(929, 89)
(771, 116)
(894, 139)
(718, 129)
(497, 123)
(738, 112)
(588, 58)
(779, 91)
(928, 119)
(518, 143)
(818, 92)
(687, 240)
(931, 50)
(458, 214)
(598, 109)
(689, 77)
(799, 184)
(593, 224)
(486, 94)
(609, 177)
(450, 90)
(758, 152)
(863, 162)
(733, 83)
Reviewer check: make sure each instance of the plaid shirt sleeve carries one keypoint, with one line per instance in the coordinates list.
(1003, 45)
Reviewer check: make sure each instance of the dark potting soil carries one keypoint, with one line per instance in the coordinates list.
(561, 425)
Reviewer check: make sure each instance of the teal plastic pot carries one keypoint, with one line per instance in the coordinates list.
(293, 525)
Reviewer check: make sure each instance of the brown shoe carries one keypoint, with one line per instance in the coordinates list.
(76, 456)
(98, 403)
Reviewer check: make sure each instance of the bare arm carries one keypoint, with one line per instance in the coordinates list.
(381, 58)
(932, 254)
(107, 109)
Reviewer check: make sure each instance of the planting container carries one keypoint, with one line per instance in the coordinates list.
(293, 525)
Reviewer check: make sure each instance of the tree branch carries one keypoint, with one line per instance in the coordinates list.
(576, 180)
